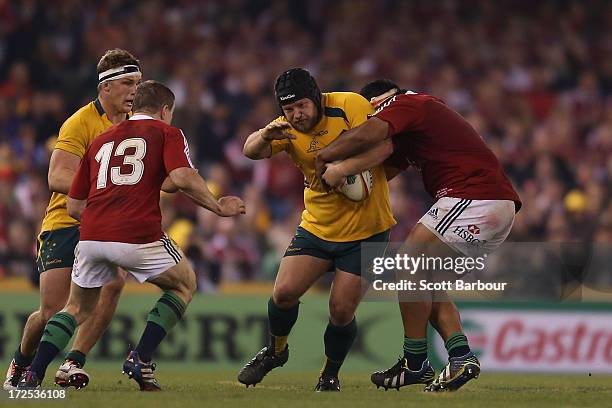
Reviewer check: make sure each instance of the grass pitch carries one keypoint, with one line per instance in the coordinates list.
(192, 388)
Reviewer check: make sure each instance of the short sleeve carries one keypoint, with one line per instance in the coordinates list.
(176, 150)
(357, 109)
(281, 145)
(402, 113)
(72, 138)
(79, 189)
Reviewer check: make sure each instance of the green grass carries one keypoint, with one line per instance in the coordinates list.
(192, 388)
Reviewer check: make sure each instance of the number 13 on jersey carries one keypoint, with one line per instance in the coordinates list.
(134, 160)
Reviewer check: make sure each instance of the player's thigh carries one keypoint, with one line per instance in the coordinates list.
(470, 227)
(55, 257)
(180, 277)
(296, 274)
(82, 301)
(112, 289)
(54, 290)
(346, 293)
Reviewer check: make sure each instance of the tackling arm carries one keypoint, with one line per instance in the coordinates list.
(355, 141)
(336, 172)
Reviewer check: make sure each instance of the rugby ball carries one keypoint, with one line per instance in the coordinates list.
(358, 187)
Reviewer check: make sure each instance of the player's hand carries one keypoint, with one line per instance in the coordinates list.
(319, 165)
(277, 131)
(230, 206)
(334, 176)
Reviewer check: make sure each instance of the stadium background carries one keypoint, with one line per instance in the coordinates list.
(534, 78)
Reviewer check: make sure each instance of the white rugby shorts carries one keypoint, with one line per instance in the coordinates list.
(471, 227)
(96, 262)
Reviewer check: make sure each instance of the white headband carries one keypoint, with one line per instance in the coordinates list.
(376, 100)
(117, 73)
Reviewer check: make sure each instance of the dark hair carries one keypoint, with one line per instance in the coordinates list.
(116, 58)
(295, 84)
(151, 96)
(377, 88)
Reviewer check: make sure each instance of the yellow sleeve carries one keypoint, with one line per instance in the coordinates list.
(357, 109)
(279, 145)
(72, 137)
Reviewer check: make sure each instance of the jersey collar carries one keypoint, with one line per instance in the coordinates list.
(141, 116)
(101, 111)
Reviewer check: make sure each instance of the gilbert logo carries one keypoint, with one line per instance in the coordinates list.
(284, 98)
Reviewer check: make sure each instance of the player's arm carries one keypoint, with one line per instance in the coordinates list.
(353, 142)
(189, 182)
(184, 176)
(168, 186)
(259, 143)
(62, 168)
(79, 190)
(336, 172)
(75, 207)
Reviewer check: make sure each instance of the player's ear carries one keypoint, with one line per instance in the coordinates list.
(106, 86)
(164, 113)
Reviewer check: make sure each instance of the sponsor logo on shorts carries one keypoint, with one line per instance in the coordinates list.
(433, 213)
(465, 234)
(474, 229)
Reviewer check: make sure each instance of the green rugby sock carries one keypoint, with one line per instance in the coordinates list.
(281, 322)
(58, 332)
(415, 352)
(338, 341)
(162, 318)
(77, 356)
(457, 345)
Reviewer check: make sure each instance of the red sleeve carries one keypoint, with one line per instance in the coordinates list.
(176, 150)
(79, 189)
(402, 113)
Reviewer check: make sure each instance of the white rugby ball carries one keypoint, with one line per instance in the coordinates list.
(358, 187)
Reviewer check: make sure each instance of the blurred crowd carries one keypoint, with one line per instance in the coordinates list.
(534, 78)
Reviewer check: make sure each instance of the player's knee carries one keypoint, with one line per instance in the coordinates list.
(341, 313)
(284, 296)
(47, 311)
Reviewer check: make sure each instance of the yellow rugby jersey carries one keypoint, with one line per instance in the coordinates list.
(75, 136)
(331, 216)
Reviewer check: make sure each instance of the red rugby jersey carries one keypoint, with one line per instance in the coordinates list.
(452, 157)
(121, 176)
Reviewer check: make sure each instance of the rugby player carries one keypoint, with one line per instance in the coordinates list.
(474, 209)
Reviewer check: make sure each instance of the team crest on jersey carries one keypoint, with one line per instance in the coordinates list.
(314, 146)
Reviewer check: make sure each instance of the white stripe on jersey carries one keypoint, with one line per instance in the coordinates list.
(186, 150)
